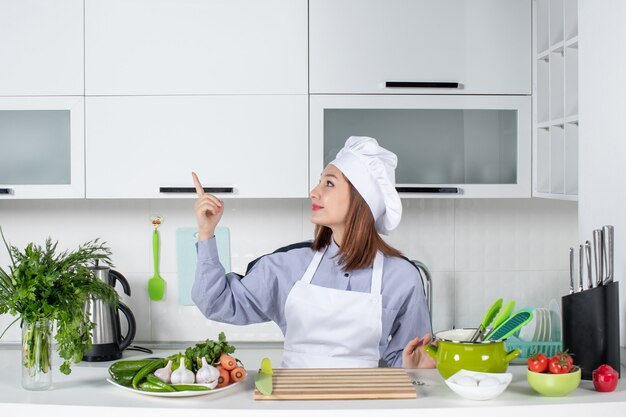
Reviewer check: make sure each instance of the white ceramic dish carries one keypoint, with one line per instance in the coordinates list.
(174, 394)
(459, 383)
(548, 330)
(555, 320)
(527, 333)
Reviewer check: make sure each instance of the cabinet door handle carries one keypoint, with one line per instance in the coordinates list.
(182, 190)
(436, 190)
(421, 84)
(6, 190)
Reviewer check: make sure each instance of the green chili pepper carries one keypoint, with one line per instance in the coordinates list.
(187, 387)
(147, 386)
(147, 369)
(157, 381)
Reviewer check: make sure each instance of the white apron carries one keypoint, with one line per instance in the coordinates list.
(330, 328)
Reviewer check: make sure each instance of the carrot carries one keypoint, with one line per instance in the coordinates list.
(238, 374)
(228, 362)
(224, 378)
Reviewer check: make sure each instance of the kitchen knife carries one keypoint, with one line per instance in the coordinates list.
(597, 251)
(588, 259)
(571, 270)
(581, 267)
(608, 232)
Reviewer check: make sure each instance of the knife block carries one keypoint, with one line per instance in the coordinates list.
(590, 323)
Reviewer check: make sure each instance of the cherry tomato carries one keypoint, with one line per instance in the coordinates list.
(561, 363)
(605, 378)
(538, 362)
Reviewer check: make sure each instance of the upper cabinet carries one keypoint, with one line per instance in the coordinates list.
(42, 147)
(447, 145)
(166, 47)
(420, 46)
(240, 146)
(41, 48)
(555, 124)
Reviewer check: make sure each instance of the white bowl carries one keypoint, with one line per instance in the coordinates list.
(488, 385)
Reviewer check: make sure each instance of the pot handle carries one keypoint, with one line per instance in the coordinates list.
(431, 349)
(512, 355)
(126, 340)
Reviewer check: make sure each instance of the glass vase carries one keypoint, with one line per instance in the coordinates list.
(36, 355)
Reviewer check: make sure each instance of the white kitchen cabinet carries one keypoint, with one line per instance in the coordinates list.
(143, 147)
(172, 47)
(447, 145)
(42, 143)
(41, 47)
(555, 124)
(357, 46)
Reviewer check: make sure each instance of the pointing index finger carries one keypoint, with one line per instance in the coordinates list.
(196, 182)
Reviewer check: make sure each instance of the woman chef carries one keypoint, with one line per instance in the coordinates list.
(345, 300)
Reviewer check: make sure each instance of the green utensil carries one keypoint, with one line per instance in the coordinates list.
(504, 314)
(511, 325)
(156, 284)
(487, 319)
(263, 378)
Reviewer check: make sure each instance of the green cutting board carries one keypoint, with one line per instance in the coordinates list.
(186, 258)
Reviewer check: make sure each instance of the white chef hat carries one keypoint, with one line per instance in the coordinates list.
(371, 169)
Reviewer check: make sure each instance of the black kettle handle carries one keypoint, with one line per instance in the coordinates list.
(132, 328)
(116, 276)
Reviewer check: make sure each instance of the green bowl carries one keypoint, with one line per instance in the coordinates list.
(553, 385)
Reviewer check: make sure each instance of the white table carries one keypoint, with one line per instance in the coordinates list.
(85, 392)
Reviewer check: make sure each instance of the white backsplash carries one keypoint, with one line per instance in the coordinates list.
(476, 249)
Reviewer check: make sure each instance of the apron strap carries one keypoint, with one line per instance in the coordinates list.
(377, 273)
(310, 271)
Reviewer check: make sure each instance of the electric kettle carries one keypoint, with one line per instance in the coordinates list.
(107, 340)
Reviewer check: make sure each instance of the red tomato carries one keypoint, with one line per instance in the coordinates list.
(605, 378)
(538, 362)
(561, 363)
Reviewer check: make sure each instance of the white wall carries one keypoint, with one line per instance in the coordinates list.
(602, 98)
(477, 249)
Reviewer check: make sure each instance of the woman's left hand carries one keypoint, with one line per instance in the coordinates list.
(414, 356)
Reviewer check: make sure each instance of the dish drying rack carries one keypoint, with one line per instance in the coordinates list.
(528, 348)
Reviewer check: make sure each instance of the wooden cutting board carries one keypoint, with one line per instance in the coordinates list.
(340, 384)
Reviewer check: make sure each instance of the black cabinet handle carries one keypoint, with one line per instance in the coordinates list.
(182, 190)
(421, 84)
(436, 190)
(6, 190)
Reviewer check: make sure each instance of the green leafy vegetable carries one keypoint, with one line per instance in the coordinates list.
(210, 350)
(41, 284)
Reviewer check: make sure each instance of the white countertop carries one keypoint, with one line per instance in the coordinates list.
(86, 392)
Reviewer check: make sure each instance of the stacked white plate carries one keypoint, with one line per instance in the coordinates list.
(540, 327)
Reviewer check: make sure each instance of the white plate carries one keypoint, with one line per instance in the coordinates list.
(555, 320)
(174, 394)
(538, 325)
(548, 334)
(541, 325)
(528, 331)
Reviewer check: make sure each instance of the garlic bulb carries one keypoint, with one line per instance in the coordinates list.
(207, 374)
(165, 374)
(183, 375)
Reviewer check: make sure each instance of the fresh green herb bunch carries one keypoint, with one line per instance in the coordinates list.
(41, 284)
(210, 349)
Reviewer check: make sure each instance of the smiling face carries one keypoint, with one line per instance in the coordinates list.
(330, 201)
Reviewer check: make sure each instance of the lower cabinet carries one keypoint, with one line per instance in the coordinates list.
(240, 146)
